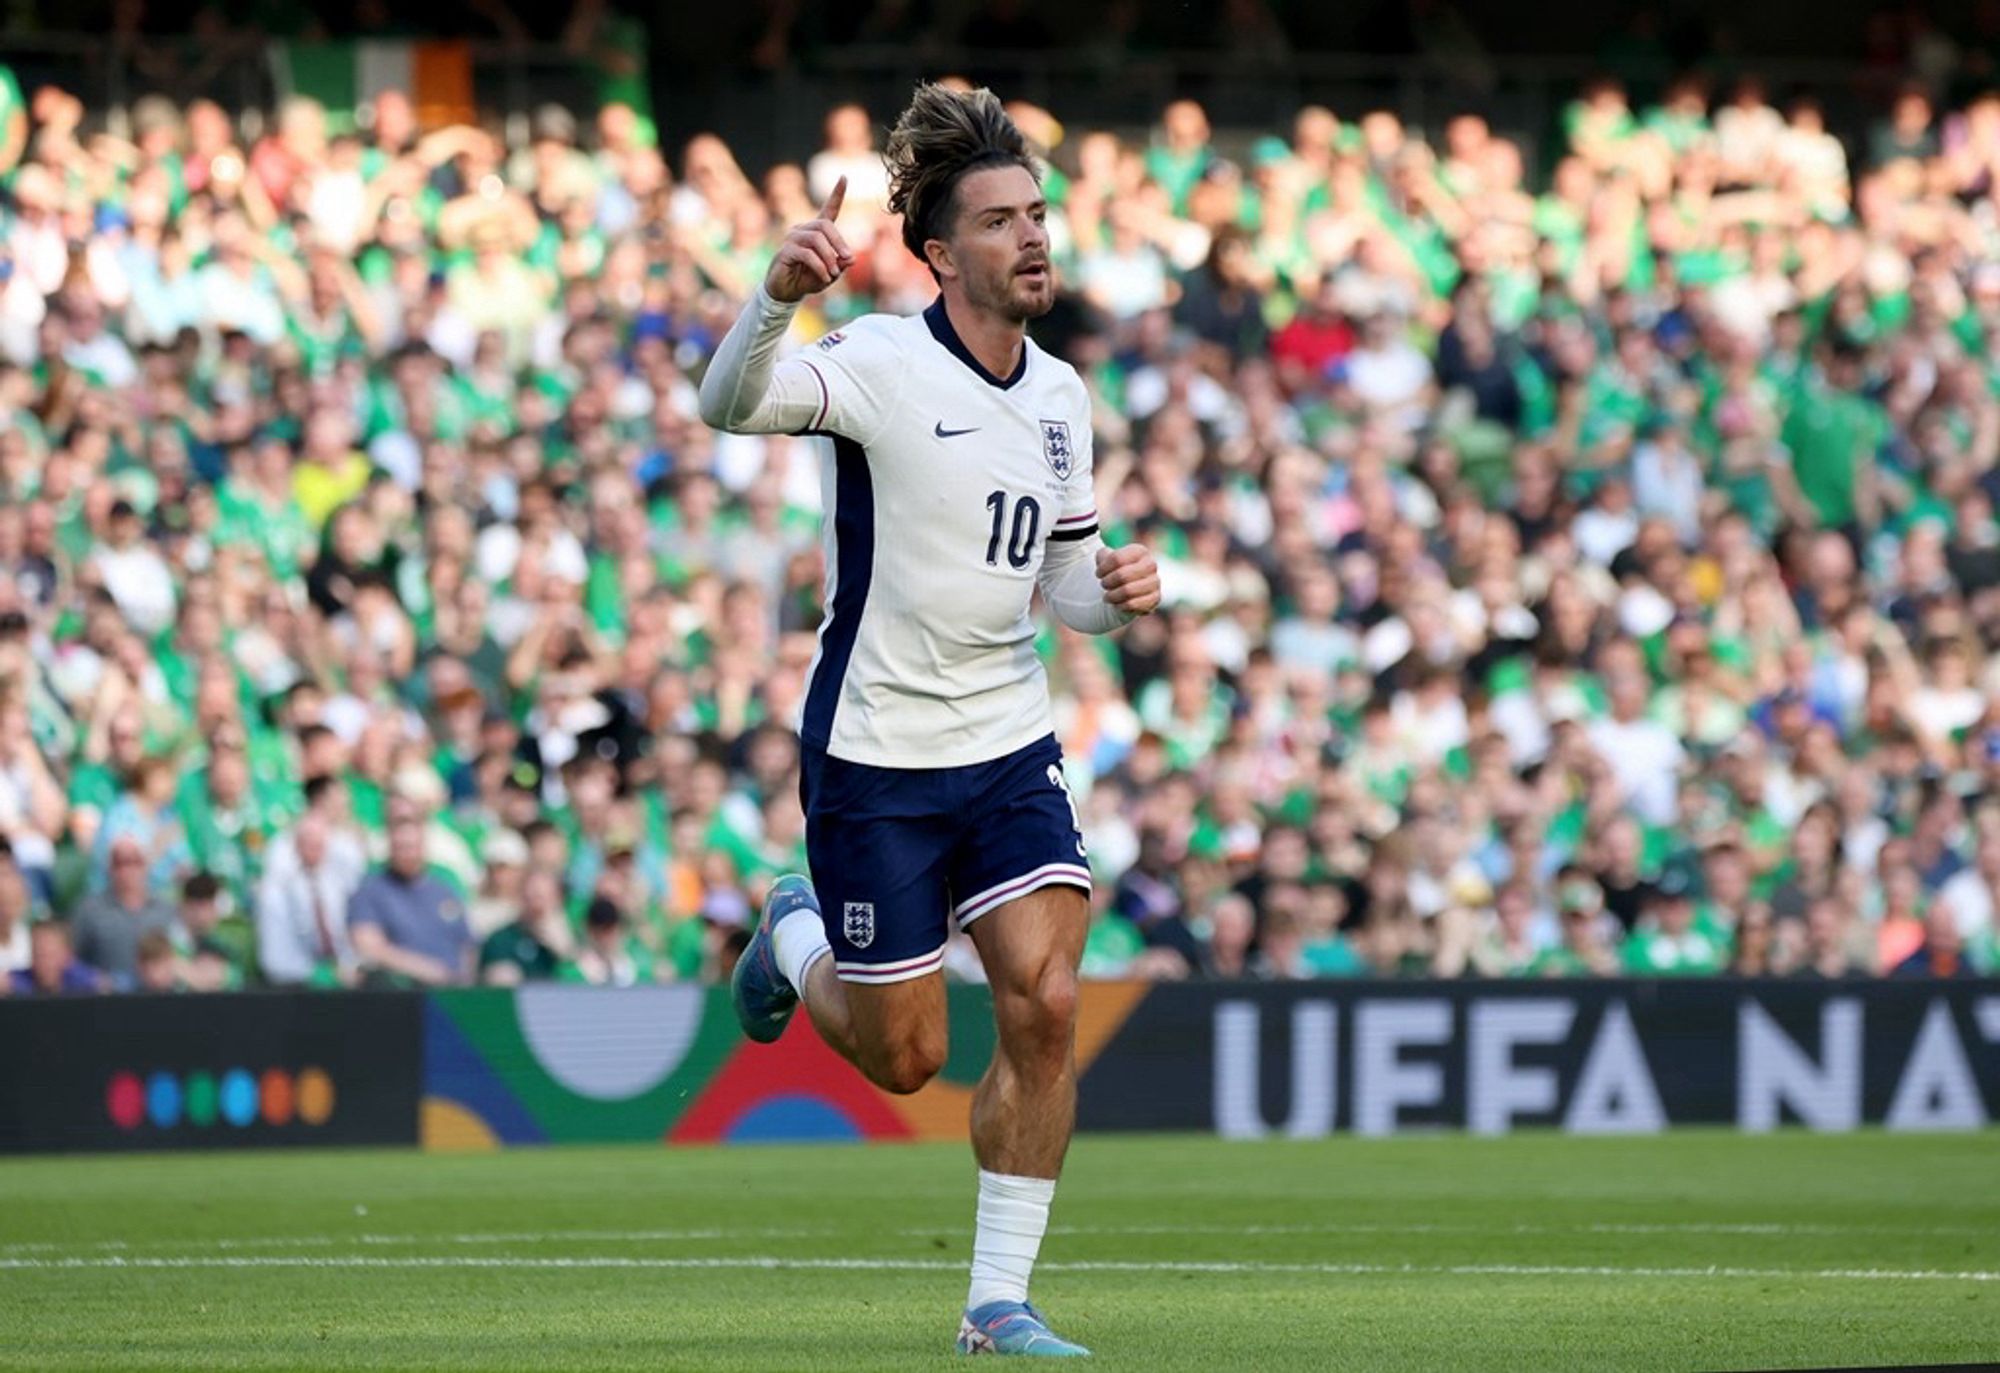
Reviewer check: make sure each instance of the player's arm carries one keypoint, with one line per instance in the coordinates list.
(1091, 588)
(746, 390)
(1095, 589)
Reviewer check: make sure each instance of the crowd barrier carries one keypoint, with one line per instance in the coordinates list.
(485, 1068)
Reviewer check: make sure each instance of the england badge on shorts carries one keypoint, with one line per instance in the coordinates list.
(1056, 446)
(857, 923)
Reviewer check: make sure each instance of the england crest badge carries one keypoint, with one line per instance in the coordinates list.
(857, 923)
(1056, 447)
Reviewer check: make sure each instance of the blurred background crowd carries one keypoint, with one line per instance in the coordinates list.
(1569, 574)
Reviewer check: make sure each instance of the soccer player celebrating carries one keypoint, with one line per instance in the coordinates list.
(960, 479)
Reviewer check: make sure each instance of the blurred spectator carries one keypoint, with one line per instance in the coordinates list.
(1969, 895)
(1827, 946)
(1583, 949)
(310, 874)
(32, 812)
(143, 821)
(1180, 152)
(1942, 954)
(108, 925)
(1667, 939)
(53, 968)
(1907, 133)
(849, 152)
(1222, 303)
(13, 121)
(159, 966)
(212, 943)
(407, 925)
(1149, 897)
(16, 917)
(1231, 939)
(533, 946)
(1128, 275)
(504, 855)
(1513, 941)
(610, 954)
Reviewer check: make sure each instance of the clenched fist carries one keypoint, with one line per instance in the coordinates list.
(813, 256)
(1130, 578)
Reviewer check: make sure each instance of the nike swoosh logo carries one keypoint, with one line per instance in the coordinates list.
(945, 433)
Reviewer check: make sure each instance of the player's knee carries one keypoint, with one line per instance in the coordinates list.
(905, 1067)
(907, 1070)
(1057, 999)
(1040, 1018)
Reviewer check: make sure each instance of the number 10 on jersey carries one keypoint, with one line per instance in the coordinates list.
(1027, 523)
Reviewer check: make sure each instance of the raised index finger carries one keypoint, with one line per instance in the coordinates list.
(831, 210)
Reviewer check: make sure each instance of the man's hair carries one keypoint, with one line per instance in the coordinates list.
(316, 788)
(146, 767)
(941, 137)
(154, 945)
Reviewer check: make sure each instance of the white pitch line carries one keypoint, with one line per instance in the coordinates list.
(391, 1241)
(1355, 1229)
(759, 1261)
(1750, 1228)
(374, 1240)
(772, 1261)
(603, 1236)
(1604, 1228)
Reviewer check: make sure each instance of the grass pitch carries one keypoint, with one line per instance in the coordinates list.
(1694, 1250)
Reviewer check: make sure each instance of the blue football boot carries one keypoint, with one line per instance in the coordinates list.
(1013, 1327)
(764, 1000)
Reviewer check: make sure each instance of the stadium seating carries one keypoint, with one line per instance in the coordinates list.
(1562, 579)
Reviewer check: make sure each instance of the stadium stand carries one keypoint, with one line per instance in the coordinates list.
(1562, 579)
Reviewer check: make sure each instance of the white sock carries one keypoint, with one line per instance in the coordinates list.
(799, 941)
(1013, 1213)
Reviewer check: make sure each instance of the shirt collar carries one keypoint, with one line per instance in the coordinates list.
(941, 330)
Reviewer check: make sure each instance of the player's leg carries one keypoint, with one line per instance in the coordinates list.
(1028, 916)
(1025, 1107)
(1023, 1112)
(861, 944)
(895, 1031)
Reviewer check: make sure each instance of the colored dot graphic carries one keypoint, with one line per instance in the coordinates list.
(238, 1097)
(125, 1100)
(203, 1099)
(315, 1096)
(163, 1100)
(274, 1090)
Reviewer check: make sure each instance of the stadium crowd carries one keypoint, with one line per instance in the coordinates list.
(1561, 579)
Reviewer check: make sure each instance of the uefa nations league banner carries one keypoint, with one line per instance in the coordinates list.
(1304, 1059)
(555, 1064)
(208, 1072)
(485, 1068)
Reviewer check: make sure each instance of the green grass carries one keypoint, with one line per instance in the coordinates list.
(1531, 1252)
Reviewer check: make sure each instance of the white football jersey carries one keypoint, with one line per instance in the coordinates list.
(943, 489)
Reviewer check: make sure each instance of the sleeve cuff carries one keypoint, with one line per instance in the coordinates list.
(771, 311)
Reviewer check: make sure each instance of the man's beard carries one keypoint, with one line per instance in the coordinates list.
(1005, 298)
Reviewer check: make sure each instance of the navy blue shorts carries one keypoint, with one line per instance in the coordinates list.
(897, 852)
